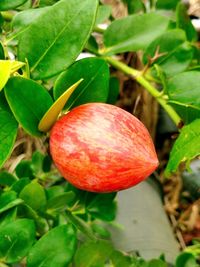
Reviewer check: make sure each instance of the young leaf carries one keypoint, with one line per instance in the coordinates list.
(5, 70)
(28, 101)
(103, 13)
(16, 239)
(29, 193)
(186, 260)
(135, 6)
(93, 254)
(186, 147)
(9, 200)
(119, 259)
(94, 88)
(183, 22)
(52, 113)
(67, 33)
(184, 89)
(54, 249)
(61, 201)
(20, 184)
(7, 4)
(134, 32)
(7, 179)
(8, 133)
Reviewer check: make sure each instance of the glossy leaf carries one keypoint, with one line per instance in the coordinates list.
(183, 22)
(134, 32)
(29, 193)
(9, 200)
(53, 112)
(7, 179)
(28, 101)
(8, 216)
(8, 133)
(184, 89)
(8, 4)
(67, 33)
(61, 201)
(186, 147)
(167, 4)
(16, 239)
(93, 254)
(186, 260)
(24, 169)
(20, 184)
(94, 88)
(54, 249)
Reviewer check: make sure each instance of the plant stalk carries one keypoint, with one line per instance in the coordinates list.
(138, 76)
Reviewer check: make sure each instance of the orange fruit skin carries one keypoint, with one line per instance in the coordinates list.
(102, 148)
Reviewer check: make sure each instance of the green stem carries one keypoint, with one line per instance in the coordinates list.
(98, 30)
(138, 76)
(81, 225)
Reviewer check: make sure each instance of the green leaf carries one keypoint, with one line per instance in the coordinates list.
(54, 249)
(7, 179)
(16, 239)
(9, 200)
(20, 184)
(134, 32)
(8, 133)
(93, 254)
(61, 201)
(186, 260)
(113, 90)
(157, 263)
(67, 33)
(5, 70)
(167, 4)
(2, 55)
(184, 89)
(134, 6)
(103, 206)
(47, 2)
(103, 13)
(8, 216)
(28, 101)
(186, 147)
(175, 54)
(33, 195)
(9, 4)
(24, 169)
(183, 22)
(119, 259)
(94, 88)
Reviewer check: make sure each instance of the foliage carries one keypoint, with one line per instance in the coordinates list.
(43, 220)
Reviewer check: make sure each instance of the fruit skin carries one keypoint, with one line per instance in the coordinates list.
(102, 148)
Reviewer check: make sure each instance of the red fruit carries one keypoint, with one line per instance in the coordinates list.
(102, 148)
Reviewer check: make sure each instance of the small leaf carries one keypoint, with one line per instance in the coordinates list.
(56, 248)
(7, 179)
(61, 201)
(7, 4)
(186, 147)
(28, 101)
(135, 6)
(157, 263)
(51, 115)
(5, 70)
(94, 88)
(93, 254)
(119, 259)
(8, 216)
(67, 33)
(183, 22)
(8, 133)
(24, 169)
(186, 260)
(9, 200)
(134, 32)
(33, 195)
(20, 184)
(16, 239)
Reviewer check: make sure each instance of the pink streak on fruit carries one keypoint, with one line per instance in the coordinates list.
(102, 148)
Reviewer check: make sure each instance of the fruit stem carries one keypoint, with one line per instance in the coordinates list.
(138, 76)
(80, 224)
